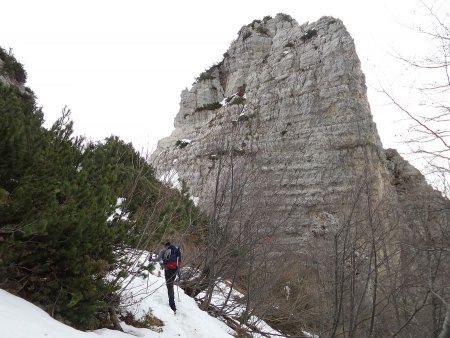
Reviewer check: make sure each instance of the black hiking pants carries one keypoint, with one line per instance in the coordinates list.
(170, 276)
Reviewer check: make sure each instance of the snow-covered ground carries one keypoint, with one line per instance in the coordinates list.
(147, 293)
(234, 308)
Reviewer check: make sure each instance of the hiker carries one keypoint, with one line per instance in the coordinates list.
(169, 258)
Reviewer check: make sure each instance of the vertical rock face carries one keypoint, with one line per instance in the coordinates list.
(288, 104)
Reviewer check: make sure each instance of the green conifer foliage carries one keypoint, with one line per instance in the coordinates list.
(52, 220)
(20, 123)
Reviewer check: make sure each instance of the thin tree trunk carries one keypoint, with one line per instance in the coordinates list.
(445, 333)
(114, 319)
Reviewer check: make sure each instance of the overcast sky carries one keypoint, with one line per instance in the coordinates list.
(120, 66)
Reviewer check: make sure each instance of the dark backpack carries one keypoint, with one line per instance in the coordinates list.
(172, 257)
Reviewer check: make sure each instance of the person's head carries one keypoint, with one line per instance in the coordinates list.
(167, 244)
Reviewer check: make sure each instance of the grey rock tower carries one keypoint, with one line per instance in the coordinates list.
(292, 100)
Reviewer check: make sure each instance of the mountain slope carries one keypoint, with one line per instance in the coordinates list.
(19, 318)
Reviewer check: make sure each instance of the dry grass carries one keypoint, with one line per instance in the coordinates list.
(148, 321)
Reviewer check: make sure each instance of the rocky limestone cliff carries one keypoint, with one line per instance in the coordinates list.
(12, 72)
(287, 103)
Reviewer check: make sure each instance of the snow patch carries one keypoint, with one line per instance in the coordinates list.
(172, 178)
(243, 111)
(228, 99)
(195, 200)
(234, 308)
(118, 213)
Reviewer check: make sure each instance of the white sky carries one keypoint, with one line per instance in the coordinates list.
(120, 66)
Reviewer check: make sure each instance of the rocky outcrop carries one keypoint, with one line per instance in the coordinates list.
(424, 209)
(287, 104)
(6, 77)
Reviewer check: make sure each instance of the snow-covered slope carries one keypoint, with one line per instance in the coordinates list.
(21, 319)
(148, 293)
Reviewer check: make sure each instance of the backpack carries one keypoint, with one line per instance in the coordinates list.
(172, 257)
